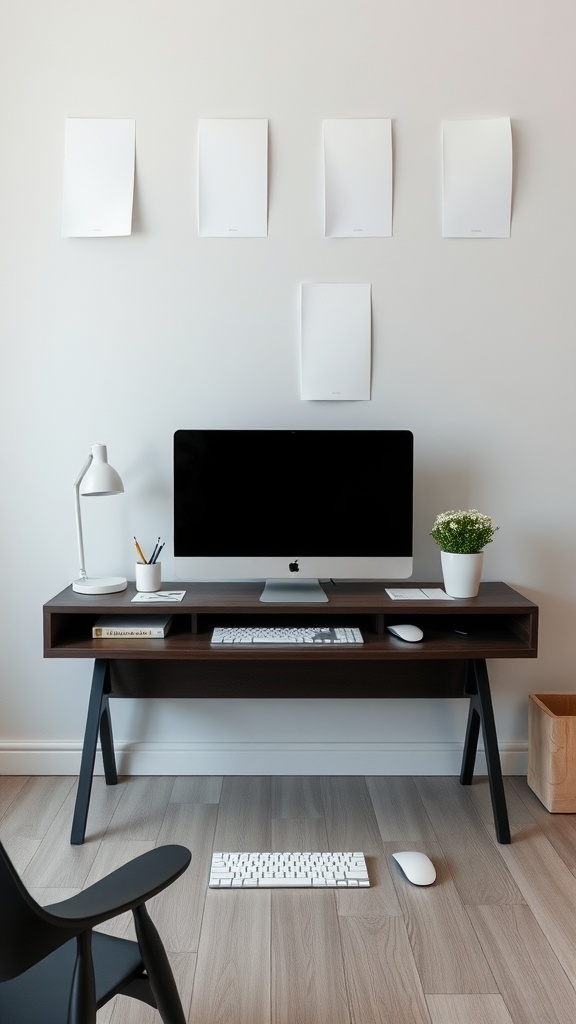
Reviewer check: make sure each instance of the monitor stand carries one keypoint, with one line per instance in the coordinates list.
(294, 591)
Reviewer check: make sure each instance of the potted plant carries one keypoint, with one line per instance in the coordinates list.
(461, 536)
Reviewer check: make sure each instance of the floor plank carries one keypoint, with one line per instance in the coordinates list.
(399, 810)
(383, 982)
(10, 787)
(308, 981)
(468, 1010)
(299, 834)
(39, 800)
(232, 983)
(196, 789)
(297, 796)
(141, 808)
(244, 814)
(528, 975)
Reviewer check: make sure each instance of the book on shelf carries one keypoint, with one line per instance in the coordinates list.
(123, 627)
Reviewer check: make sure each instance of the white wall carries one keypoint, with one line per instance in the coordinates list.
(125, 340)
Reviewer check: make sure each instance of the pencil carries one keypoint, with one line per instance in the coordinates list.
(139, 551)
(157, 553)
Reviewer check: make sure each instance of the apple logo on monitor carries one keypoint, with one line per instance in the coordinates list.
(293, 566)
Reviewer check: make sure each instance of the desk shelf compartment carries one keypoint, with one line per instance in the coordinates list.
(70, 635)
(465, 635)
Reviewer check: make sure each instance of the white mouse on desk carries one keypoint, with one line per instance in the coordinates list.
(406, 631)
(417, 867)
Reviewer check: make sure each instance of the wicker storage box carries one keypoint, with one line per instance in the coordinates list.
(552, 750)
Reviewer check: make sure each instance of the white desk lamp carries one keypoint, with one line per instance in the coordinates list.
(96, 478)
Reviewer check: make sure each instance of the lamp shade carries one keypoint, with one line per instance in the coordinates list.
(100, 478)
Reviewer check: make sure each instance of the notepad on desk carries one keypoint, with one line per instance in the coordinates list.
(126, 627)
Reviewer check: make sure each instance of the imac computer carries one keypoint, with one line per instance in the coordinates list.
(292, 507)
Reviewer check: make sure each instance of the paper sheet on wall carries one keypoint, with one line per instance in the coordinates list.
(336, 342)
(98, 192)
(233, 177)
(477, 178)
(357, 177)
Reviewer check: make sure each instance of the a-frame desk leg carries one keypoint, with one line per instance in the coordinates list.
(98, 723)
(481, 713)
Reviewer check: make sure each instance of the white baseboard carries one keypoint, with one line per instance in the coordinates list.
(259, 759)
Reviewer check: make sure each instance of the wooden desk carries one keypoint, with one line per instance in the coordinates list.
(459, 636)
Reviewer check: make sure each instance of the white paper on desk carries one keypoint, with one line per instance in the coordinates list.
(233, 177)
(98, 192)
(357, 177)
(477, 178)
(336, 342)
(406, 594)
(158, 597)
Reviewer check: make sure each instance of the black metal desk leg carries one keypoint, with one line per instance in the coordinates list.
(107, 744)
(481, 712)
(97, 723)
(472, 733)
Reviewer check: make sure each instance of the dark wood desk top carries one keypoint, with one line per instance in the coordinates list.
(358, 596)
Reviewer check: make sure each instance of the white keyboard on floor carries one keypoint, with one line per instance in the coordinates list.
(288, 870)
(287, 635)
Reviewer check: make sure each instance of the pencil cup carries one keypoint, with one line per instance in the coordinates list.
(148, 577)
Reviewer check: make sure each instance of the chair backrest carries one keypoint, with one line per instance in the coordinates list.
(26, 936)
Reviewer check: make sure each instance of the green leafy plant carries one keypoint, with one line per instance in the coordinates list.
(463, 532)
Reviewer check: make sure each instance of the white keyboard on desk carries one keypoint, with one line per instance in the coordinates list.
(281, 635)
(342, 870)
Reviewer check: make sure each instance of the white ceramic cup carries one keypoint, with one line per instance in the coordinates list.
(148, 577)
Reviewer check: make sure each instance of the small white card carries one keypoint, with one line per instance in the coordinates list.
(159, 596)
(406, 594)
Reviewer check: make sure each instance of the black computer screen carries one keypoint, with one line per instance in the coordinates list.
(303, 492)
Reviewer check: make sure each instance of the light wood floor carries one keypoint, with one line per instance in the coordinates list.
(492, 942)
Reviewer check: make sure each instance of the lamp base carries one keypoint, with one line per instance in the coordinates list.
(100, 585)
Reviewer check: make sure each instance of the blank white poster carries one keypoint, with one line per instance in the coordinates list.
(336, 342)
(477, 177)
(98, 193)
(357, 177)
(233, 177)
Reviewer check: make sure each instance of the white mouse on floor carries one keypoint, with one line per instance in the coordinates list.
(406, 631)
(417, 867)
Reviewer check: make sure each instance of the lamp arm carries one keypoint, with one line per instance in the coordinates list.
(79, 534)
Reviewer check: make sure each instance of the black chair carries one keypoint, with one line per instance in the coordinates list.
(54, 969)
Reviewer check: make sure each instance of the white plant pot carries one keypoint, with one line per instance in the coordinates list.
(461, 573)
